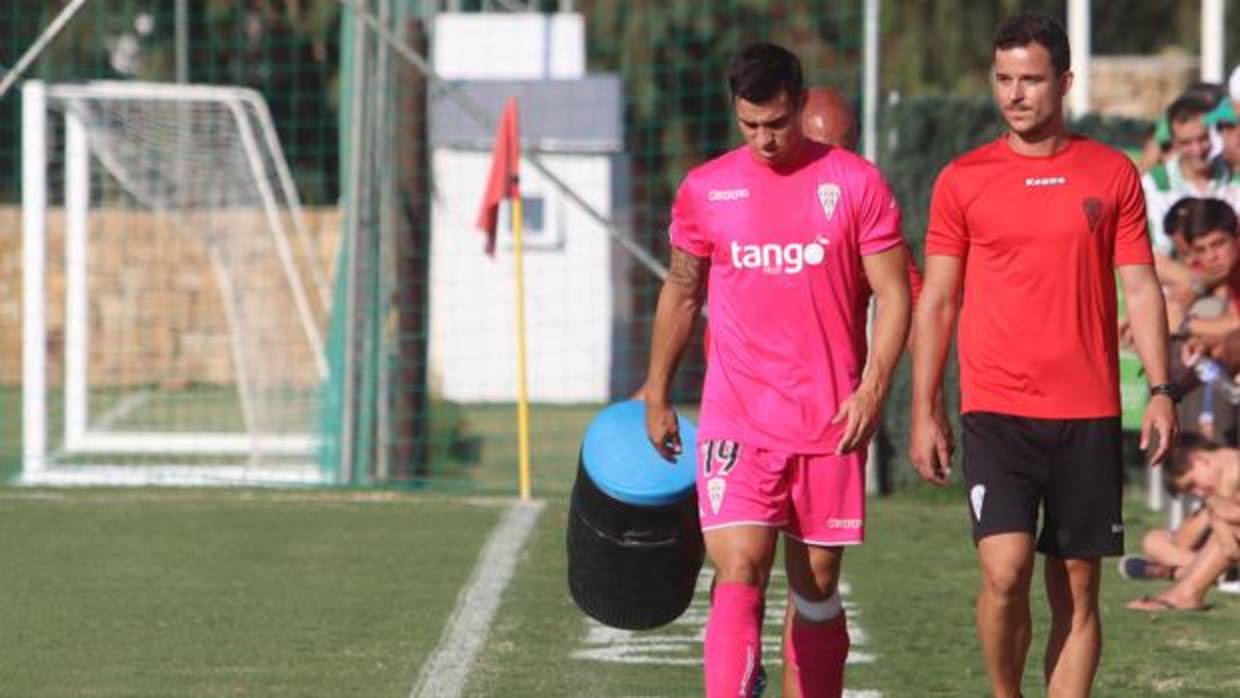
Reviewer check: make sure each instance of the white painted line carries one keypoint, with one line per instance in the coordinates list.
(680, 642)
(445, 672)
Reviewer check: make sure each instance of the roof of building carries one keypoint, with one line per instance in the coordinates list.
(577, 115)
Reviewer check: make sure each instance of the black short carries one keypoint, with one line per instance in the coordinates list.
(1072, 467)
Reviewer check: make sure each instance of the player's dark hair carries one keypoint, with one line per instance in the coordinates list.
(1209, 92)
(1035, 28)
(1204, 216)
(761, 71)
(1185, 108)
(1180, 461)
(1173, 222)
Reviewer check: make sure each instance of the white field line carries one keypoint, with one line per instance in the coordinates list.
(446, 670)
(680, 642)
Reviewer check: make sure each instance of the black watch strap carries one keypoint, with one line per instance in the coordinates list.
(1169, 389)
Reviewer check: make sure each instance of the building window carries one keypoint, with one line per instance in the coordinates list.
(541, 229)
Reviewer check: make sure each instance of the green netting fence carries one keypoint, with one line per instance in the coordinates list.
(618, 101)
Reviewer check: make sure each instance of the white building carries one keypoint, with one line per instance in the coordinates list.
(574, 272)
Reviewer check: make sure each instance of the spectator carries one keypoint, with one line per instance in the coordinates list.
(1199, 320)
(1188, 172)
(1201, 467)
(1168, 552)
(1209, 232)
(1223, 119)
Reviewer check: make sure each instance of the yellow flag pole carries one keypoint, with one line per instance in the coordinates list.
(523, 407)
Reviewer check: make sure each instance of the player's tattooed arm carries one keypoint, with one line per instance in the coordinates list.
(689, 272)
(680, 301)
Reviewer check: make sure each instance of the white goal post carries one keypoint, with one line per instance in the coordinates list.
(190, 345)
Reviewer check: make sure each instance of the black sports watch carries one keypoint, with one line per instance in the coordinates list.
(1171, 390)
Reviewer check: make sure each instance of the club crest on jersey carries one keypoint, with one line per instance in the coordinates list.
(828, 196)
(1092, 207)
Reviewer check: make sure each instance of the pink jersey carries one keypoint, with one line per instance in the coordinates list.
(787, 292)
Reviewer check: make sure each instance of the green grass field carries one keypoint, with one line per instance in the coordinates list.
(113, 592)
(245, 593)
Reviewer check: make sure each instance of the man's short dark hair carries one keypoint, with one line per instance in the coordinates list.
(761, 71)
(1186, 108)
(1035, 28)
(1178, 464)
(1209, 92)
(1174, 221)
(1204, 216)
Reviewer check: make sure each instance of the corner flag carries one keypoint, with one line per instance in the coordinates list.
(502, 182)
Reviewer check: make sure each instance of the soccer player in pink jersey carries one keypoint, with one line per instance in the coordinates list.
(791, 235)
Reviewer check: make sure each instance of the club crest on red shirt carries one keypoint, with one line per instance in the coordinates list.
(1093, 212)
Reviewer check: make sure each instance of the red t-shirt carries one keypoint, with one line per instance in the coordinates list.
(1040, 238)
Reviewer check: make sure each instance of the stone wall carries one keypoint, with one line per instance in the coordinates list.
(156, 314)
(1139, 86)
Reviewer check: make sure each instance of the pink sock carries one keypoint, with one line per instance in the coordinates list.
(733, 640)
(817, 652)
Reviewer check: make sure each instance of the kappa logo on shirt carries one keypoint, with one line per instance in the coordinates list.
(1058, 181)
(727, 194)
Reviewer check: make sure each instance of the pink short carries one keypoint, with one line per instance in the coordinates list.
(815, 498)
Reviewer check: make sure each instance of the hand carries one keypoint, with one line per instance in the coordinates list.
(662, 428)
(1191, 350)
(1160, 419)
(930, 448)
(860, 416)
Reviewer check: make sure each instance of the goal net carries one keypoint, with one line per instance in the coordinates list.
(174, 301)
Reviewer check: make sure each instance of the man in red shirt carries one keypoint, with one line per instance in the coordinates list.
(1032, 227)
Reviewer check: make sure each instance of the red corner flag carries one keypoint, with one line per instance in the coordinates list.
(502, 182)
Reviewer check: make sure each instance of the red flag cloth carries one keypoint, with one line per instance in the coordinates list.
(502, 182)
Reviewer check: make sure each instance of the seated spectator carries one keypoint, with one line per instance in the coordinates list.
(1208, 228)
(1183, 284)
(1166, 552)
(1201, 467)
(1201, 312)
(1189, 172)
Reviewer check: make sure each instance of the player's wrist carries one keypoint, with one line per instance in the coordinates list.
(1170, 391)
